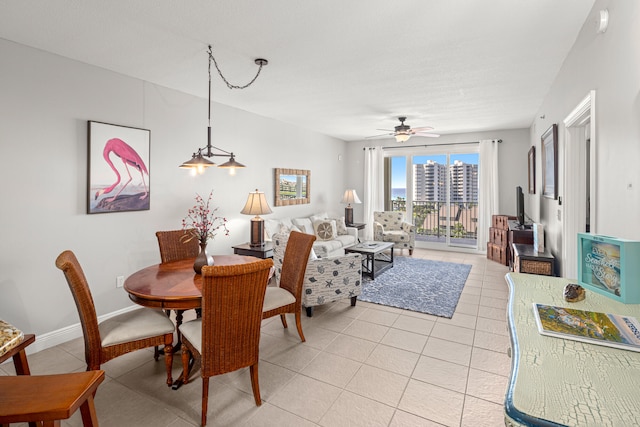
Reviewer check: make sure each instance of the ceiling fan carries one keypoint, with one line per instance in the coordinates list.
(403, 132)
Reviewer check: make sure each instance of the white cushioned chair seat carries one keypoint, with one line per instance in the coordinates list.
(396, 236)
(390, 226)
(277, 297)
(192, 331)
(134, 325)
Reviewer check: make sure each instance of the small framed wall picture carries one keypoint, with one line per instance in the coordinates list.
(550, 162)
(531, 159)
(118, 170)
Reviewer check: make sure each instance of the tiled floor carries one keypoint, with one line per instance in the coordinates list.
(367, 365)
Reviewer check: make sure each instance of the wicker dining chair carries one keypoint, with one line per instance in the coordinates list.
(227, 336)
(174, 247)
(118, 335)
(287, 297)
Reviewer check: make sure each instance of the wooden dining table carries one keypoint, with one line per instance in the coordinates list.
(173, 285)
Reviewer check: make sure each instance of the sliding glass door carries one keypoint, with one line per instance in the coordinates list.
(437, 187)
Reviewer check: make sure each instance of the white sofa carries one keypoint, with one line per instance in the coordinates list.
(332, 235)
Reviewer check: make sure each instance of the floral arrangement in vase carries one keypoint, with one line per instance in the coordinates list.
(203, 224)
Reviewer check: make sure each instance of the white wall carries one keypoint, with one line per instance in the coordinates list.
(608, 63)
(44, 108)
(512, 162)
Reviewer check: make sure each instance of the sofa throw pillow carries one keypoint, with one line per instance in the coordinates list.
(304, 224)
(284, 229)
(341, 226)
(325, 229)
(271, 227)
(318, 216)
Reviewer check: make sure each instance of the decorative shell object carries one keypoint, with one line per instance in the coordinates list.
(573, 292)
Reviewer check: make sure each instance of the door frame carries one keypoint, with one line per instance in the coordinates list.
(580, 124)
(447, 150)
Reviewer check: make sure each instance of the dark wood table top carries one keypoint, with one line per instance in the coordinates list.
(173, 285)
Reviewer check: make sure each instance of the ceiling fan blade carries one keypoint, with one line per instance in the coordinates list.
(378, 136)
(386, 130)
(422, 128)
(428, 135)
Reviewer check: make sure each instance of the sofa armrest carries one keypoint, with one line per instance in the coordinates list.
(352, 231)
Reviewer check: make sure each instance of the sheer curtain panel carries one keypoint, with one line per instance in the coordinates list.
(373, 186)
(489, 186)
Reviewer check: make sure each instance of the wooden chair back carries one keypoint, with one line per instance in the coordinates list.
(173, 246)
(68, 263)
(232, 299)
(294, 263)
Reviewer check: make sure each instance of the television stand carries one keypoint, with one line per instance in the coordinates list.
(524, 226)
(527, 260)
(517, 234)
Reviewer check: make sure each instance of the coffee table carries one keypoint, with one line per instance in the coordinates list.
(374, 258)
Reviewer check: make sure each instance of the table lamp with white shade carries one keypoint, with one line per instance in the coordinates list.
(256, 205)
(350, 196)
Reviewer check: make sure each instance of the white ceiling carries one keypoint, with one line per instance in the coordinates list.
(341, 68)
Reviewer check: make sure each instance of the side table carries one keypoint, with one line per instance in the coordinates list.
(19, 355)
(527, 260)
(245, 249)
(562, 382)
(20, 362)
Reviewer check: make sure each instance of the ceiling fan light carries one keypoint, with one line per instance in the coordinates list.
(402, 137)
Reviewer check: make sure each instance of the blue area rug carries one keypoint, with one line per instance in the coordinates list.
(431, 287)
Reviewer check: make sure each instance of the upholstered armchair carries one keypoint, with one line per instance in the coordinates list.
(390, 226)
(325, 279)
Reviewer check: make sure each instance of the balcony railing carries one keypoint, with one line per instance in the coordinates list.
(430, 219)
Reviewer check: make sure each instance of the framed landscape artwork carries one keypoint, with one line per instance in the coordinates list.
(292, 187)
(532, 170)
(550, 162)
(118, 171)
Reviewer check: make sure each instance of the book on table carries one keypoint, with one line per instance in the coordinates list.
(368, 245)
(10, 336)
(612, 330)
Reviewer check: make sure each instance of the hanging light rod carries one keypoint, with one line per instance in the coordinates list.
(198, 163)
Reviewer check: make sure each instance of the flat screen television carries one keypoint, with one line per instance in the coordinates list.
(519, 205)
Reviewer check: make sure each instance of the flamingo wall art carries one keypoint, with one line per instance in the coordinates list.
(118, 168)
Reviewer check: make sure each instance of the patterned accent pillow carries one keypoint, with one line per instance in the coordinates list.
(325, 229)
(341, 226)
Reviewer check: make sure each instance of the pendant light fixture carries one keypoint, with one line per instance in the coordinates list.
(200, 159)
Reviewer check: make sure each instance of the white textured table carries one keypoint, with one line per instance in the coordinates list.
(564, 382)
